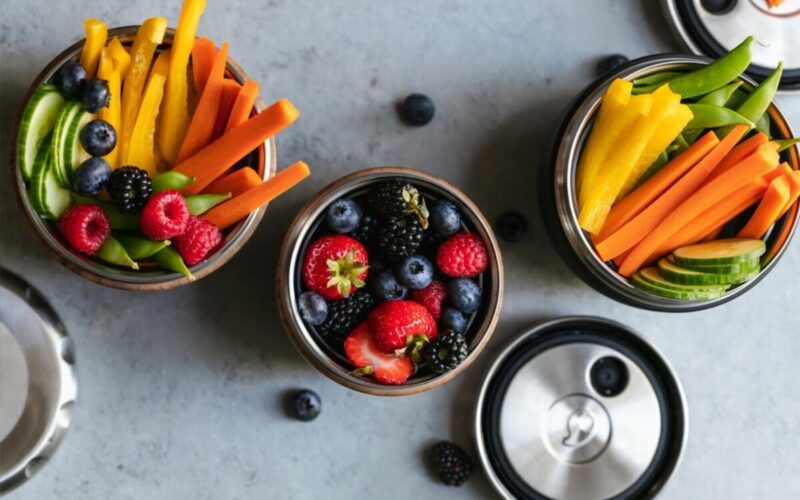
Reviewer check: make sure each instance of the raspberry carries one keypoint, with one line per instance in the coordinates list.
(462, 256)
(200, 239)
(164, 216)
(86, 227)
(431, 297)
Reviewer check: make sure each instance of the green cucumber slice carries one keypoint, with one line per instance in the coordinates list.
(683, 276)
(745, 267)
(62, 126)
(686, 293)
(48, 198)
(655, 278)
(38, 120)
(73, 153)
(720, 252)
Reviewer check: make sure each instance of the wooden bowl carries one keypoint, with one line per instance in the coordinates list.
(288, 283)
(151, 278)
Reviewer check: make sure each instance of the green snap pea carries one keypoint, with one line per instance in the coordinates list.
(784, 144)
(645, 89)
(736, 99)
(759, 100)
(113, 252)
(678, 146)
(654, 167)
(709, 116)
(715, 75)
(201, 203)
(118, 220)
(657, 78)
(171, 180)
(171, 260)
(139, 248)
(764, 125)
(721, 96)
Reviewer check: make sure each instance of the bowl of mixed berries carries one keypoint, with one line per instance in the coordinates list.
(390, 281)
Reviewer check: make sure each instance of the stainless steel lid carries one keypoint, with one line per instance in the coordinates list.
(580, 408)
(713, 27)
(37, 382)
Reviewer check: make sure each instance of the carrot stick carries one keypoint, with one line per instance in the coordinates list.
(739, 153)
(243, 105)
(644, 195)
(216, 158)
(637, 228)
(201, 128)
(753, 167)
(230, 212)
(236, 183)
(230, 91)
(204, 52)
(768, 210)
(794, 186)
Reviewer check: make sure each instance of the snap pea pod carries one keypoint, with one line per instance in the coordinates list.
(171, 260)
(171, 180)
(764, 125)
(201, 203)
(113, 252)
(715, 75)
(654, 167)
(736, 99)
(721, 96)
(784, 144)
(646, 89)
(678, 146)
(709, 116)
(657, 78)
(118, 220)
(759, 100)
(140, 248)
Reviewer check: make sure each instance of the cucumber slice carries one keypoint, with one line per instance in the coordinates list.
(73, 153)
(685, 293)
(680, 275)
(655, 278)
(38, 120)
(744, 267)
(48, 198)
(720, 252)
(62, 126)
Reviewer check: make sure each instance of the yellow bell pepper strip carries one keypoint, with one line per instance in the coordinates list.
(141, 148)
(120, 56)
(672, 126)
(107, 70)
(624, 155)
(605, 130)
(174, 120)
(96, 36)
(149, 36)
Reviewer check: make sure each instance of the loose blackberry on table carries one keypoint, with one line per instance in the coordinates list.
(452, 463)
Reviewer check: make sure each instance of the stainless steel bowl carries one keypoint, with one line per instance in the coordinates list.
(559, 201)
(263, 160)
(287, 285)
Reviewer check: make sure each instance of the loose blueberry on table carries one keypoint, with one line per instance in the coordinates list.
(398, 283)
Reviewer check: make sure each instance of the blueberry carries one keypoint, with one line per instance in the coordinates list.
(306, 405)
(91, 176)
(417, 110)
(96, 95)
(313, 308)
(612, 62)
(511, 226)
(343, 215)
(70, 79)
(464, 294)
(98, 138)
(452, 319)
(718, 7)
(444, 217)
(386, 287)
(415, 272)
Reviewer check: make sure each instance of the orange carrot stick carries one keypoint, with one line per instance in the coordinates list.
(739, 153)
(216, 158)
(794, 186)
(644, 195)
(243, 105)
(753, 167)
(230, 212)
(637, 228)
(201, 128)
(230, 91)
(204, 52)
(236, 183)
(768, 210)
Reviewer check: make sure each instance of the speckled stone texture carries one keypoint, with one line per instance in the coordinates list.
(180, 392)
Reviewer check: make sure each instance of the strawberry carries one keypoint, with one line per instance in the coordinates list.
(335, 266)
(363, 353)
(398, 323)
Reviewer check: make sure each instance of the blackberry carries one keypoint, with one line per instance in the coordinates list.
(396, 199)
(130, 188)
(399, 238)
(365, 230)
(345, 314)
(452, 463)
(447, 351)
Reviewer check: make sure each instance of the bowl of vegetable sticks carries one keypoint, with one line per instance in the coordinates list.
(673, 182)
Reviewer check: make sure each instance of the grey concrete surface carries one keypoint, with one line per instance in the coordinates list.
(180, 392)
